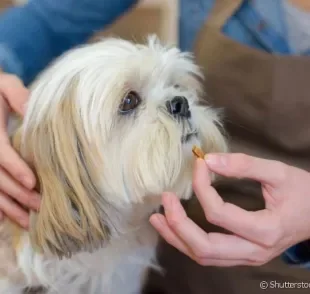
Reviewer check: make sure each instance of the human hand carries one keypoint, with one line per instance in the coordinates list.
(16, 178)
(257, 237)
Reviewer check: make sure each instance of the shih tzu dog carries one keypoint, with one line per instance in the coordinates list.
(109, 127)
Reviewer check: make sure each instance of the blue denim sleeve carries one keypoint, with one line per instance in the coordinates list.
(298, 255)
(31, 36)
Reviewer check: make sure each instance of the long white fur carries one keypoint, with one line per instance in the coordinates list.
(141, 155)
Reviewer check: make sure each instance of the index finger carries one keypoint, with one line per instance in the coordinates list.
(253, 226)
(238, 165)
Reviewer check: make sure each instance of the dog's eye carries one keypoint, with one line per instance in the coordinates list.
(130, 102)
(177, 86)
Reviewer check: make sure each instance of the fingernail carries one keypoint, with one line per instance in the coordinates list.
(26, 181)
(216, 160)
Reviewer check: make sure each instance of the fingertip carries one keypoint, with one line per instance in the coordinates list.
(217, 160)
(157, 220)
(174, 210)
(200, 165)
(35, 201)
(22, 109)
(167, 199)
(27, 180)
(24, 223)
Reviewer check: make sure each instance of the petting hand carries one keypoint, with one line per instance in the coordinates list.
(16, 178)
(257, 237)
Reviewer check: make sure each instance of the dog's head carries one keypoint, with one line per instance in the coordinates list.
(109, 125)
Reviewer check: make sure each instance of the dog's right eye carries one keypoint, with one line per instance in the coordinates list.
(130, 102)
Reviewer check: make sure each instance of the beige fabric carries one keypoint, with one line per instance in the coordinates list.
(158, 17)
(302, 4)
(5, 4)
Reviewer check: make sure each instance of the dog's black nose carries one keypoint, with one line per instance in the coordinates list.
(178, 106)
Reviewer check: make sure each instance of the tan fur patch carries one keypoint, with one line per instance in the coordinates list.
(71, 215)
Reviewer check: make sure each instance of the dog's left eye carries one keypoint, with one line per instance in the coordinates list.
(130, 102)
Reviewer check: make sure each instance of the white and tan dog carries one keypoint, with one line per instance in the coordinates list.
(109, 127)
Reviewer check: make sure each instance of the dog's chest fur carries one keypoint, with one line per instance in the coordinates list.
(118, 268)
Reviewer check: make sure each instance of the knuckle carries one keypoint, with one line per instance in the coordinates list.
(271, 238)
(281, 171)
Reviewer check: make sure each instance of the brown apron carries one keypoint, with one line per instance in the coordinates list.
(266, 106)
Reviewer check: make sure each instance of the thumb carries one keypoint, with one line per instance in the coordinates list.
(244, 166)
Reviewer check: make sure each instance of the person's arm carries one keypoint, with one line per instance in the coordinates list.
(31, 36)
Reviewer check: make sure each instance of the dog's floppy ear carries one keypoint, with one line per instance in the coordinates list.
(72, 213)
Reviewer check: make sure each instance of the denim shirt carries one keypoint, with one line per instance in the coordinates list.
(33, 35)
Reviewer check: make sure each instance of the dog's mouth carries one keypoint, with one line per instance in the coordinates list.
(189, 136)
